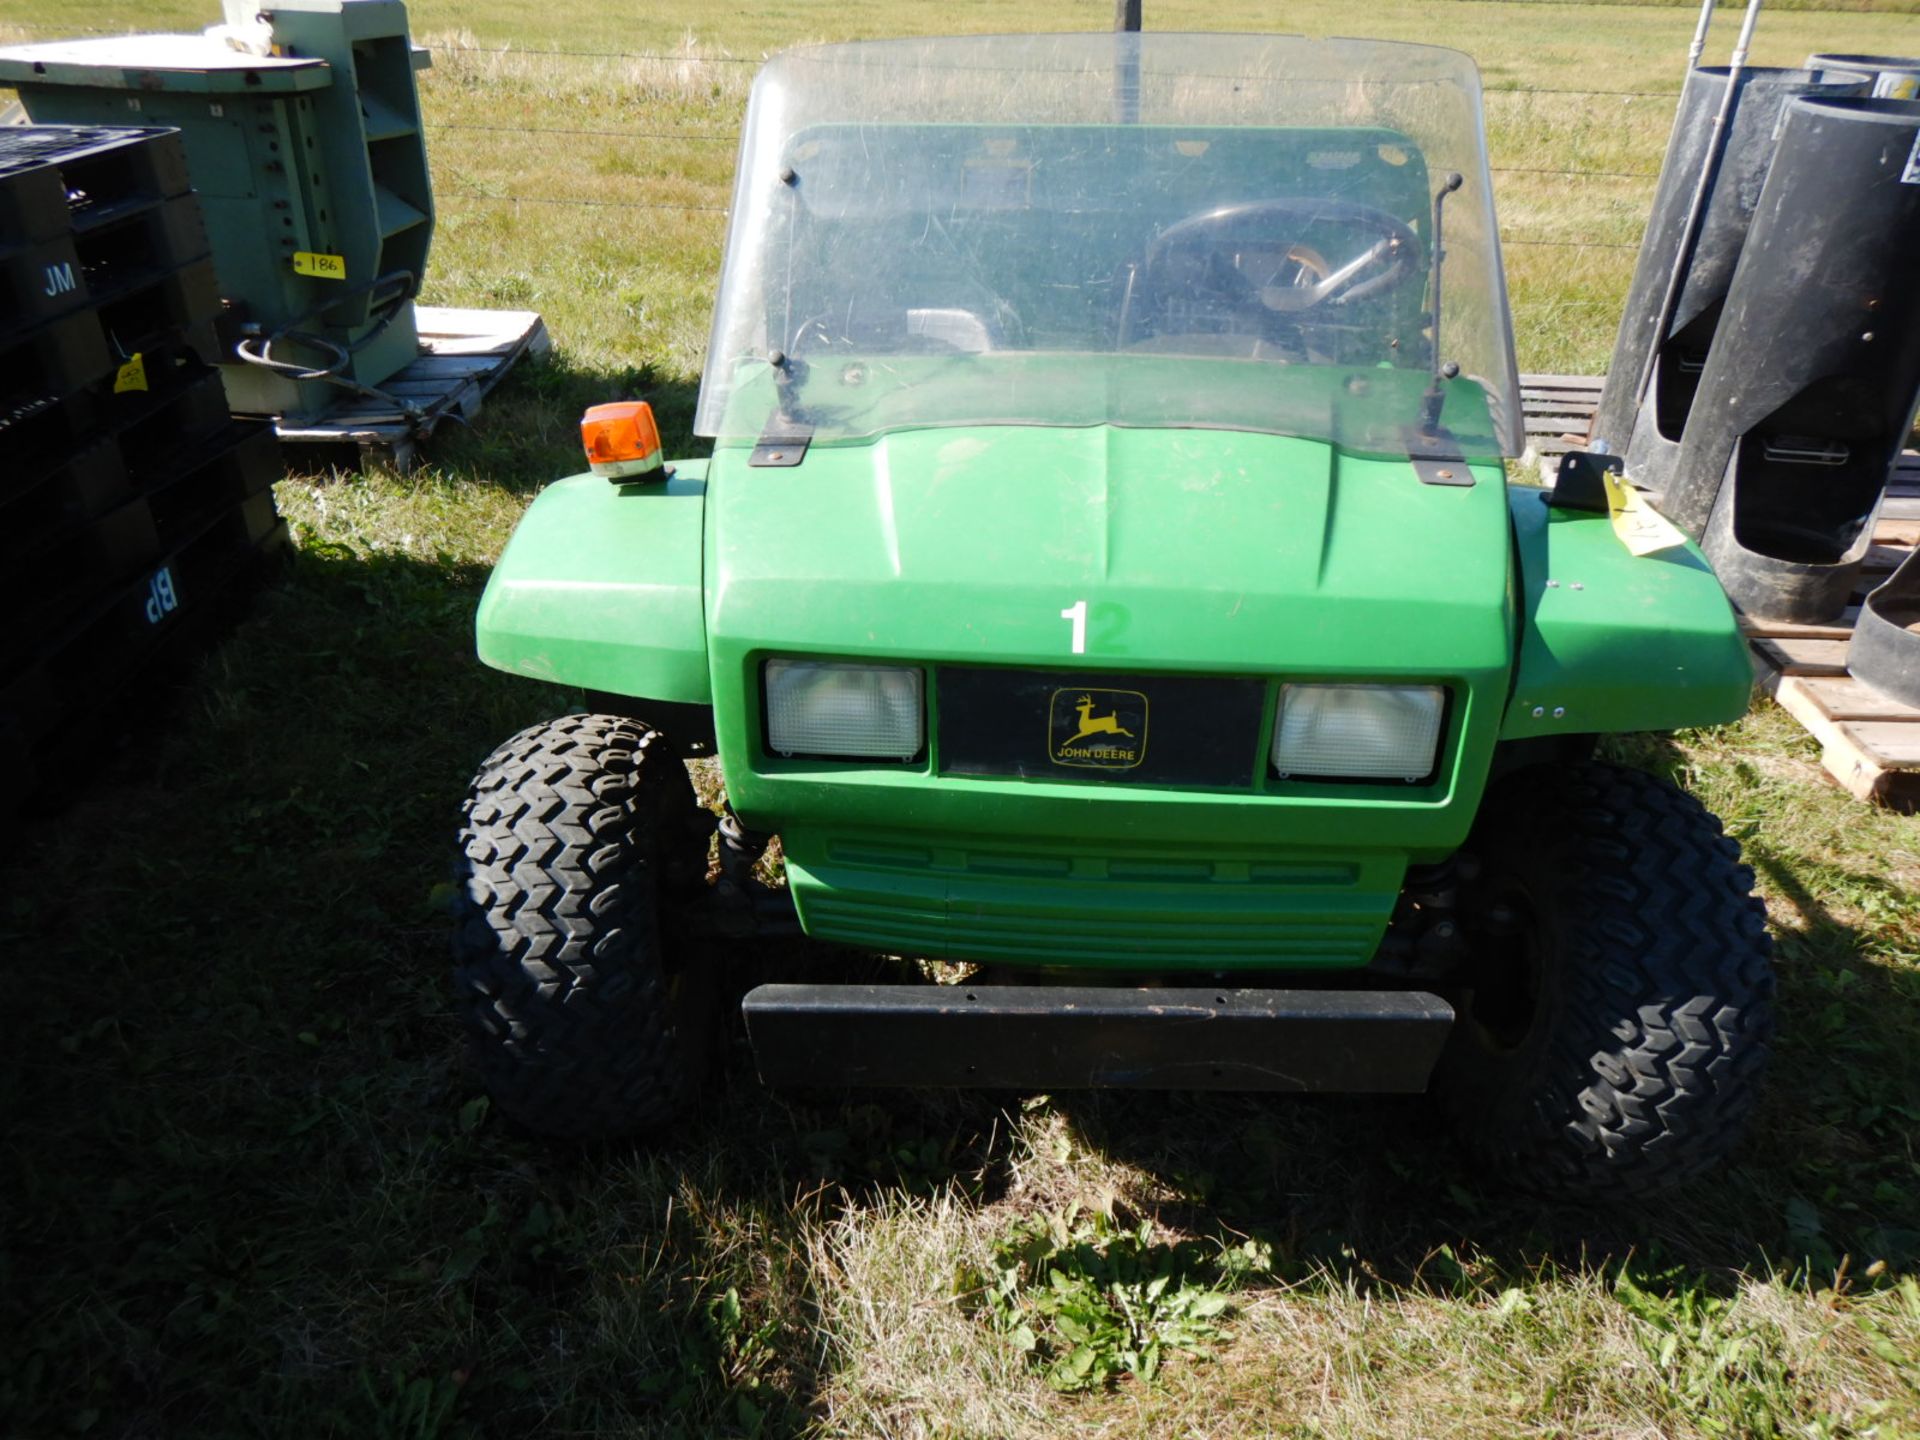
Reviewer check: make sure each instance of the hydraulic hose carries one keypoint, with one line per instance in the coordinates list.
(404, 285)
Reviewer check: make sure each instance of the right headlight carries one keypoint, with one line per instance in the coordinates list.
(1358, 732)
(845, 712)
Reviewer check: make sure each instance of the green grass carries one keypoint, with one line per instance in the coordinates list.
(249, 1187)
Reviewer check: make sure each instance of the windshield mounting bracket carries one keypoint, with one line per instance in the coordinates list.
(782, 444)
(1437, 458)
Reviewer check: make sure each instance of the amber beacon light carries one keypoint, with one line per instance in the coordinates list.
(622, 441)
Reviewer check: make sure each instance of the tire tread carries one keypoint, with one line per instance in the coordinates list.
(579, 1025)
(1651, 1064)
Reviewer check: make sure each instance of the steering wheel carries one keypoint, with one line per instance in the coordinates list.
(1392, 260)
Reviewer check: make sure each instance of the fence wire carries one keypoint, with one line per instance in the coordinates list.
(481, 197)
(715, 137)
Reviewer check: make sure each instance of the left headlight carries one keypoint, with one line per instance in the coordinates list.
(1358, 732)
(847, 712)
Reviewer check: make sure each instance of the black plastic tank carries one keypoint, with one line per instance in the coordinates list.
(1895, 77)
(1885, 652)
(1648, 437)
(1808, 392)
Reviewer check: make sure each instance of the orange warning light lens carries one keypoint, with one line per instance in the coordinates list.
(622, 441)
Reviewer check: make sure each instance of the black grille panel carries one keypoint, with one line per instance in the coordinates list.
(1101, 728)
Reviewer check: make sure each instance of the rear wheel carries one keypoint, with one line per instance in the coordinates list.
(1620, 1004)
(578, 837)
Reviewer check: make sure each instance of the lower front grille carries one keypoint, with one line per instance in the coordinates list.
(1135, 911)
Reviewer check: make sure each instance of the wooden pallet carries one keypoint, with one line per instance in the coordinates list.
(1559, 411)
(1869, 743)
(465, 353)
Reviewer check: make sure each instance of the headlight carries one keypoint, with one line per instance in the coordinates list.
(1358, 732)
(855, 712)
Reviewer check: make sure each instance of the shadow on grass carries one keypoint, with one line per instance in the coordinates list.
(252, 1188)
(251, 1185)
(1374, 1193)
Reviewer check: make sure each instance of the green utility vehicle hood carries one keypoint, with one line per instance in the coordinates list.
(1195, 550)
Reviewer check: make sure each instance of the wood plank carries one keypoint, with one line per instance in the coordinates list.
(1889, 530)
(477, 332)
(427, 388)
(1839, 629)
(1804, 657)
(1842, 754)
(481, 347)
(1593, 382)
(1891, 744)
(1881, 558)
(1900, 507)
(380, 431)
(454, 367)
(1846, 698)
(461, 320)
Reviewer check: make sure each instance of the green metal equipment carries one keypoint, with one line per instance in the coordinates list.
(1106, 578)
(303, 138)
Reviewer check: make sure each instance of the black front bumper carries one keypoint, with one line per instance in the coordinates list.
(1059, 1037)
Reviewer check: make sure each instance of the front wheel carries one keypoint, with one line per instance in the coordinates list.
(577, 836)
(1620, 1003)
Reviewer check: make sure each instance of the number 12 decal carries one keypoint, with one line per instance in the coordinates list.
(1077, 613)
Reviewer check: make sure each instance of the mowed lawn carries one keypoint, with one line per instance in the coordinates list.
(248, 1186)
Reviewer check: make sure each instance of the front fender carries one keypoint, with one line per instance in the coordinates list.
(1611, 641)
(600, 587)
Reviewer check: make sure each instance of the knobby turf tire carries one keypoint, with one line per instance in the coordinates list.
(575, 834)
(1643, 1052)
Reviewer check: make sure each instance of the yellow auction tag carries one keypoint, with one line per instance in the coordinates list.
(1641, 528)
(321, 267)
(131, 376)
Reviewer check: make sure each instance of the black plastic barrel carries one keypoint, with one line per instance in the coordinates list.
(1808, 392)
(1894, 77)
(1885, 651)
(1648, 436)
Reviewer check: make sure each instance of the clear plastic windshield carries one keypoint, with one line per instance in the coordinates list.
(1221, 231)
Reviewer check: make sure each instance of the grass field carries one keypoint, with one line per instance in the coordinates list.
(247, 1186)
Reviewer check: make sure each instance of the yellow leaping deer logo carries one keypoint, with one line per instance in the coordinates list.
(1091, 724)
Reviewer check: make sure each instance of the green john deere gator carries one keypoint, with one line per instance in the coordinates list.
(1106, 576)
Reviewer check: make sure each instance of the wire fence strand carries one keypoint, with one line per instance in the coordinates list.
(663, 57)
(722, 137)
(483, 198)
(708, 136)
(715, 137)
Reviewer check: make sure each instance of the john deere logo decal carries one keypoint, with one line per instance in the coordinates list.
(1097, 729)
